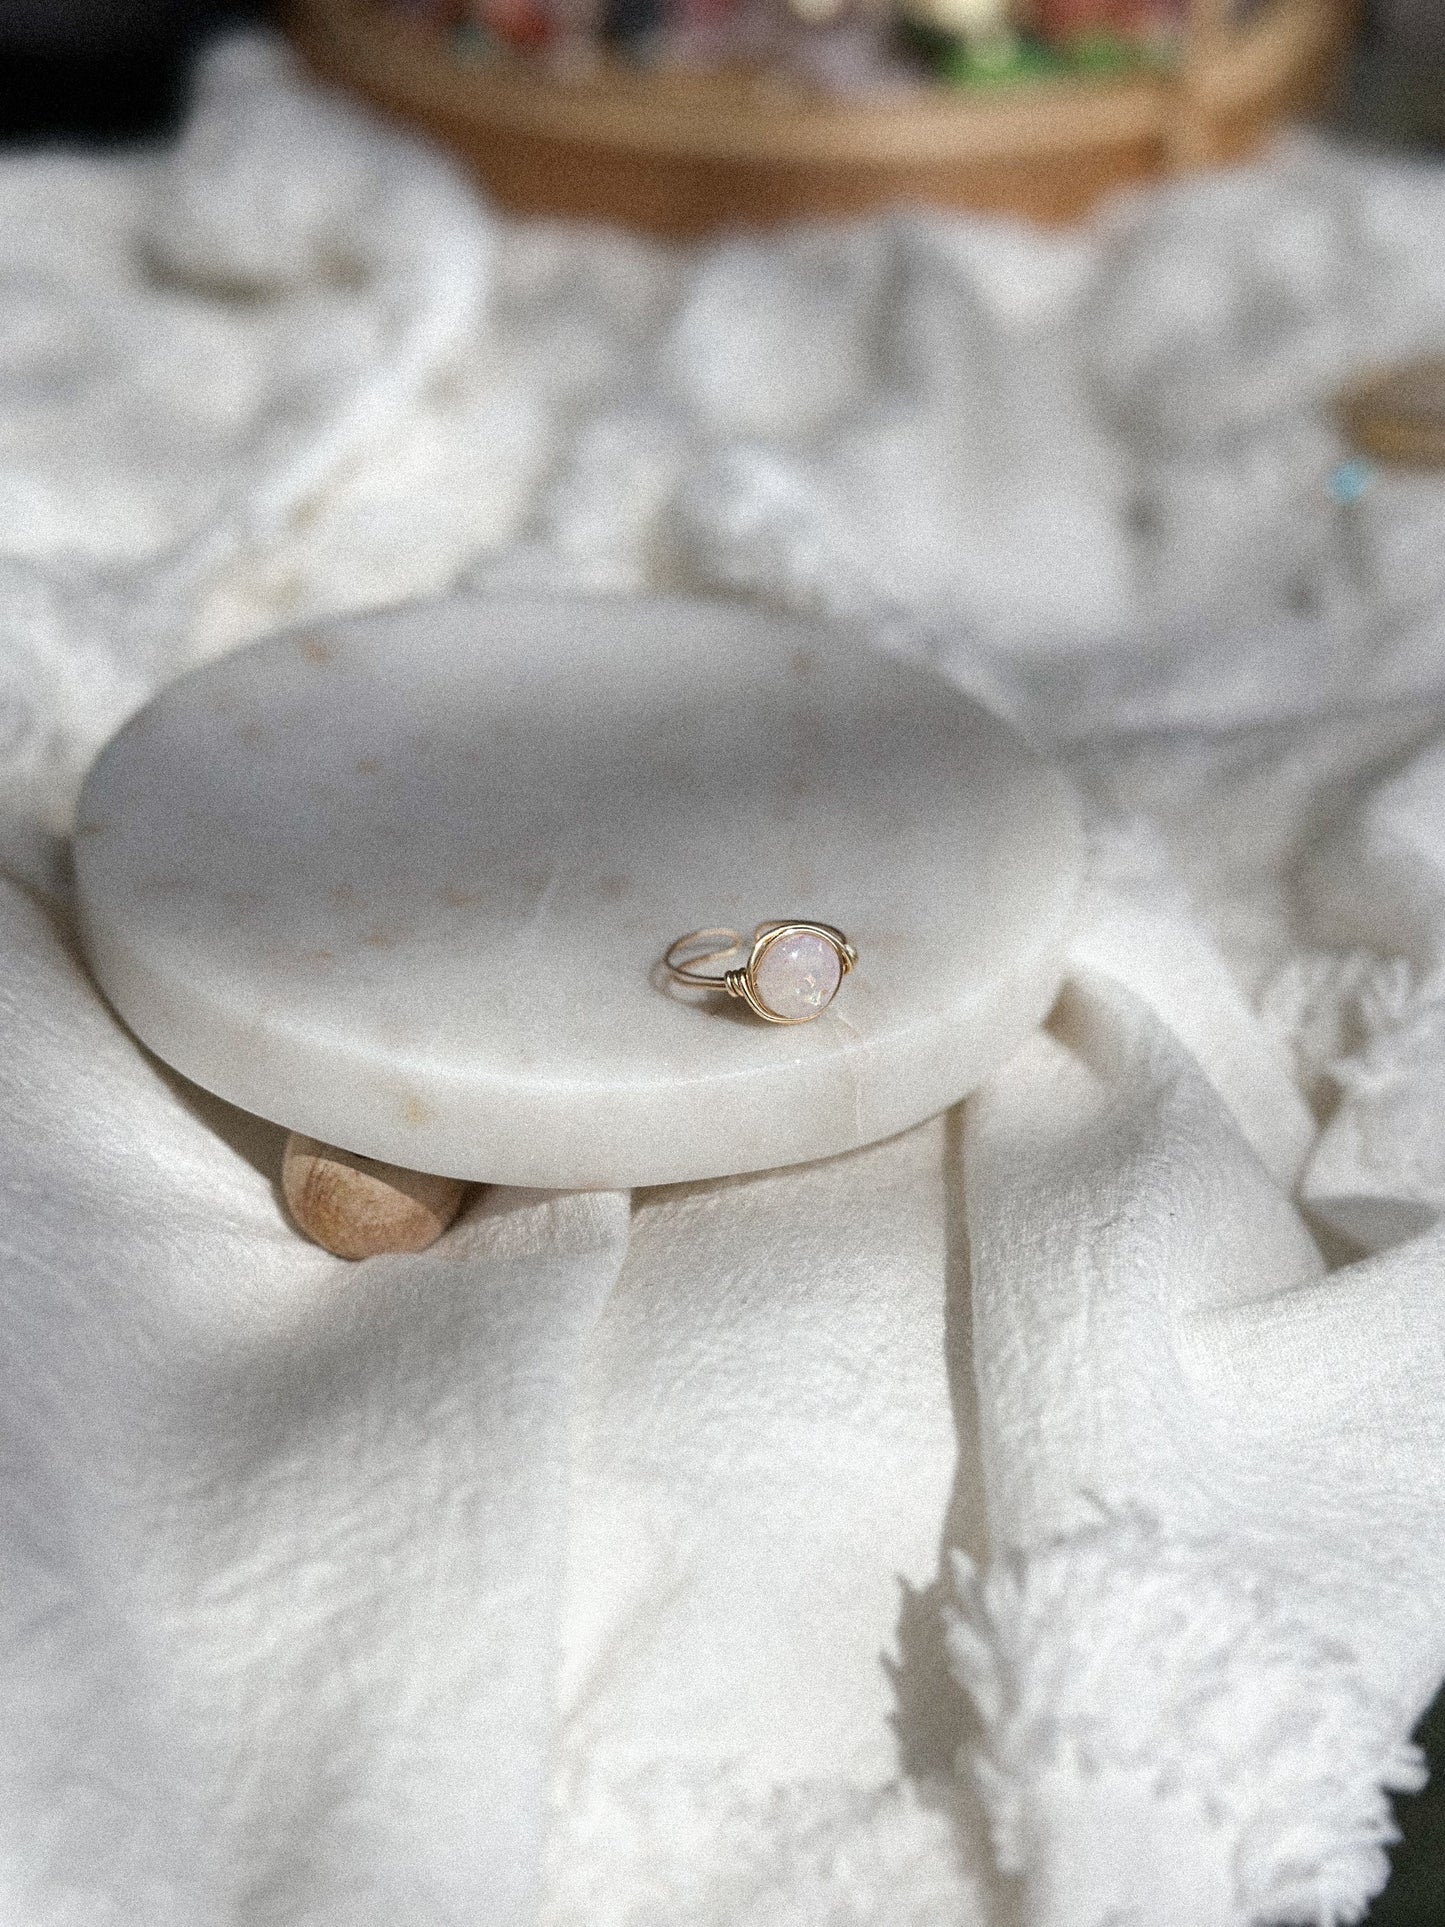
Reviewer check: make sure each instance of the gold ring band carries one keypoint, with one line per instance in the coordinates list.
(791, 974)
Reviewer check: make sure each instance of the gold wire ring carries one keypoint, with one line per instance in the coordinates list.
(802, 982)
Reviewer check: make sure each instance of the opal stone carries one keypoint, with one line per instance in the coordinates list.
(798, 975)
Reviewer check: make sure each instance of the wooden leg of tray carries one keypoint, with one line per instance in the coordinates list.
(359, 1208)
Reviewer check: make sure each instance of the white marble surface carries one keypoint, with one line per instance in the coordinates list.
(404, 882)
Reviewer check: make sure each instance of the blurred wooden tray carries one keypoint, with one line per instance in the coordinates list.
(683, 154)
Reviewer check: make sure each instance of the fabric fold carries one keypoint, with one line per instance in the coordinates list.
(769, 1448)
(284, 1537)
(1204, 1639)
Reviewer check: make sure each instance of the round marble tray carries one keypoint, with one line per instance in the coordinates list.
(403, 883)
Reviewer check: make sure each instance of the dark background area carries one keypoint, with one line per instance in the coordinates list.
(106, 71)
(102, 70)
(1415, 1896)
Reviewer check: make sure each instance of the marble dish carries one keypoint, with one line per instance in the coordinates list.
(403, 883)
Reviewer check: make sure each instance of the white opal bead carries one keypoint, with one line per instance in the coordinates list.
(798, 975)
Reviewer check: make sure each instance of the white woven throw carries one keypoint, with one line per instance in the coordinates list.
(1031, 1518)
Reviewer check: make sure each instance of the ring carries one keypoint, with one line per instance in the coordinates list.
(792, 972)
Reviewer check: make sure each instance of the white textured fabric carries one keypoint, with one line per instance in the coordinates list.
(1033, 1517)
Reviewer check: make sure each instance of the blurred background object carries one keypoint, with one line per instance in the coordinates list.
(1398, 415)
(682, 116)
(1038, 105)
